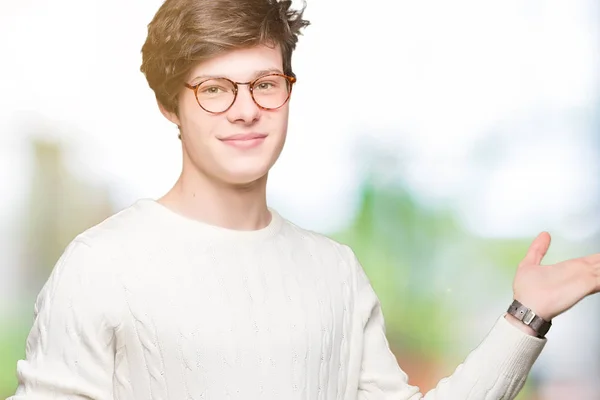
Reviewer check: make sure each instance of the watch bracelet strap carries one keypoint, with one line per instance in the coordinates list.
(529, 318)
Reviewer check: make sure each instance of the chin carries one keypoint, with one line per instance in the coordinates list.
(245, 171)
(244, 177)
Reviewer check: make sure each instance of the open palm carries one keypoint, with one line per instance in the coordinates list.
(550, 290)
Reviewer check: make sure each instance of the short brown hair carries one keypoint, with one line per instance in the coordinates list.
(186, 32)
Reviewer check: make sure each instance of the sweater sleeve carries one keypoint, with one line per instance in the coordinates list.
(70, 349)
(496, 369)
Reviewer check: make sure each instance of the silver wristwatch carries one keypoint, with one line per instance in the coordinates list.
(529, 318)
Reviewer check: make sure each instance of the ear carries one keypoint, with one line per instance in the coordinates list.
(170, 115)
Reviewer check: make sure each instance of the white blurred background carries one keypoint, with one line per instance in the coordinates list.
(463, 128)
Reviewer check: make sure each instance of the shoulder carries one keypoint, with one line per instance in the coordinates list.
(326, 249)
(88, 260)
(341, 257)
(121, 229)
(319, 243)
(325, 246)
(79, 285)
(95, 255)
(89, 266)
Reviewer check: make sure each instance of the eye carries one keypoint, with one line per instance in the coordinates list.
(264, 85)
(269, 84)
(215, 87)
(213, 90)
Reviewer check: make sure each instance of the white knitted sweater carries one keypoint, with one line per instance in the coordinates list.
(151, 305)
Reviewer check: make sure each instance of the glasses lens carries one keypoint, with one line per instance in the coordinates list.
(216, 95)
(271, 91)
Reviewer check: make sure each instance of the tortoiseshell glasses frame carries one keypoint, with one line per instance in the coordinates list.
(234, 86)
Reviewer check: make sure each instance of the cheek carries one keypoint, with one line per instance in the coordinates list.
(280, 127)
(277, 125)
(197, 124)
(190, 114)
(280, 120)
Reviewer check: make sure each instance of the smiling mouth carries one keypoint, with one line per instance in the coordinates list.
(245, 136)
(245, 141)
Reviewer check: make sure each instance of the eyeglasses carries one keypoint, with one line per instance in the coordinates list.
(269, 92)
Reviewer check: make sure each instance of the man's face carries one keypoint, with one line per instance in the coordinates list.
(239, 145)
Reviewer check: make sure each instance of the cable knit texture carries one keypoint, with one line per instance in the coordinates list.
(152, 305)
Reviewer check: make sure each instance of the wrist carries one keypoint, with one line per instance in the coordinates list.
(529, 319)
(520, 325)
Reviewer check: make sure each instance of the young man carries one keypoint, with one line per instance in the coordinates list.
(207, 293)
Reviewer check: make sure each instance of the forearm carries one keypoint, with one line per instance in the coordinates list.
(497, 368)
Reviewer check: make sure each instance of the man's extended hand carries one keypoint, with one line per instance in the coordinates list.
(550, 290)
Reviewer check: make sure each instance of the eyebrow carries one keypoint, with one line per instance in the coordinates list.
(256, 74)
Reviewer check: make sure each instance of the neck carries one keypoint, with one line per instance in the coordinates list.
(197, 196)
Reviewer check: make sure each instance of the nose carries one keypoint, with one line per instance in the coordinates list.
(244, 109)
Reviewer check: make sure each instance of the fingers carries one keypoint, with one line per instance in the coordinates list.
(593, 259)
(597, 275)
(593, 262)
(588, 269)
(544, 243)
(538, 249)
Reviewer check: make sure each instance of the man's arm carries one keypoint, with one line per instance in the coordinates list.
(496, 369)
(70, 349)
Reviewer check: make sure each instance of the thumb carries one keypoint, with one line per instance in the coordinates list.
(537, 249)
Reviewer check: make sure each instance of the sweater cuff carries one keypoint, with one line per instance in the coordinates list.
(515, 351)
